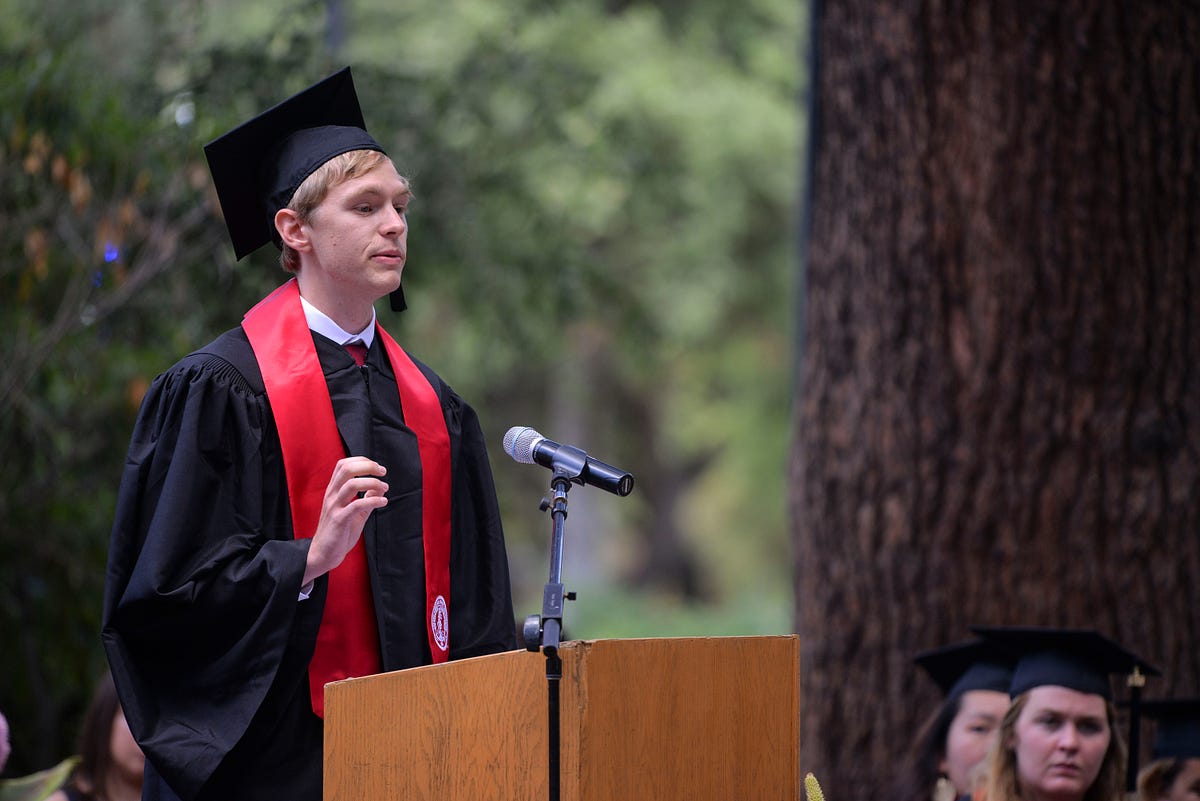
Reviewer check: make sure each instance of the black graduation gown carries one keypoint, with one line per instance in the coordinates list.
(207, 640)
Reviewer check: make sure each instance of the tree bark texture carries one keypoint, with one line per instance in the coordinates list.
(998, 409)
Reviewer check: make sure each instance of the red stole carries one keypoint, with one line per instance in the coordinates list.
(348, 639)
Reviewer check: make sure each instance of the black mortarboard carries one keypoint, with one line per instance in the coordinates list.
(966, 666)
(1177, 734)
(258, 166)
(1079, 659)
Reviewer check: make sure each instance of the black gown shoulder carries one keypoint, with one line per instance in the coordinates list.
(207, 640)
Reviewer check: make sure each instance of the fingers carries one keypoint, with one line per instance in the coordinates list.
(355, 490)
(353, 477)
(348, 506)
(360, 486)
(353, 466)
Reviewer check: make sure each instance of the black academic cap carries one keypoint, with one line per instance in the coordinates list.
(1177, 734)
(1079, 659)
(258, 166)
(966, 666)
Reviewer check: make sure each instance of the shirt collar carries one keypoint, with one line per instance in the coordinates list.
(319, 321)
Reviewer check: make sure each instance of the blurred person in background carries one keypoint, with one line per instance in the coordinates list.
(5, 746)
(111, 764)
(1174, 775)
(944, 764)
(1058, 741)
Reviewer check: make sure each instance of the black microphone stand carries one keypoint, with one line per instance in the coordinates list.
(544, 632)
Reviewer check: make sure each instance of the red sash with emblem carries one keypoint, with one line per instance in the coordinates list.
(348, 639)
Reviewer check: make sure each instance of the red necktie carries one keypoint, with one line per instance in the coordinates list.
(358, 350)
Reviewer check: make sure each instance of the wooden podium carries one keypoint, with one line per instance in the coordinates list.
(674, 718)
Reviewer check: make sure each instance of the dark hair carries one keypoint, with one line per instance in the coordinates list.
(922, 767)
(95, 739)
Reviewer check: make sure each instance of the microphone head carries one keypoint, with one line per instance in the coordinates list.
(519, 443)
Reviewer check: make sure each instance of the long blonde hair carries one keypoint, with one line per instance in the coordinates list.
(1001, 782)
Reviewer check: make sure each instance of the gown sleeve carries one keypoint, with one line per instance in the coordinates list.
(481, 608)
(203, 572)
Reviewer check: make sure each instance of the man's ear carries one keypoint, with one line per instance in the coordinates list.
(291, 230)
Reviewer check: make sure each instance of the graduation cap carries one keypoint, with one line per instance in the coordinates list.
(1078, 659)
(966, 666)
(258, 166)
(1177, 734)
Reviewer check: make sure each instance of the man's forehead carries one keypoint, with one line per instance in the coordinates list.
(382, 179)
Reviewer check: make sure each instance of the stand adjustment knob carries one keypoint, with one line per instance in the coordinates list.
(531, 633)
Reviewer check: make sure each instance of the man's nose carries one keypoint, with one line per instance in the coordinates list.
(394, 222)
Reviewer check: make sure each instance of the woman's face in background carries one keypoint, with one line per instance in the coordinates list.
(1186, 786)
(971, 734)
(1060, 740)
(128, 759)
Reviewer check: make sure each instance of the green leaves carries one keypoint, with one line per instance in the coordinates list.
(601, 244)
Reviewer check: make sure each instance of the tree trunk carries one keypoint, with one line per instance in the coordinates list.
(998, 415)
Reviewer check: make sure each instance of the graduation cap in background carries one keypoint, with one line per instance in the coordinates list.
(1177, 735)
(1078, 659)
(258, 166)
(965, 666)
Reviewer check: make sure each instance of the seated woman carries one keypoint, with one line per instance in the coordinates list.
(110, 762)
(1174, 775)
(944, 763)
(1058, 741)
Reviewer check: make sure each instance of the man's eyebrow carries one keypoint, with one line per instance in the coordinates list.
(378, 190)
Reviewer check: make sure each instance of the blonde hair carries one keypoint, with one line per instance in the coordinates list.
(315, 187)
(1001, 783)
(1155, 780)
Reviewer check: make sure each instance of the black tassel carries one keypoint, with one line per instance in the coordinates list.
(397, 298)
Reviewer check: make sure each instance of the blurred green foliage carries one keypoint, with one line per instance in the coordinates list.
(602, 247)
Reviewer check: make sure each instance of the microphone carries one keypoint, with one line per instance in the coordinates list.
(527, 446)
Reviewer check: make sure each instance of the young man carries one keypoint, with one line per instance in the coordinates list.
(291, 513)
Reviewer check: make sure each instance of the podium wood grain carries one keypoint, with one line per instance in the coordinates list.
(672, 718)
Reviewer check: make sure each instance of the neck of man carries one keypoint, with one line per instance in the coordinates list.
(352, 314)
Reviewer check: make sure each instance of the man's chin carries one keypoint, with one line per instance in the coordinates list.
(387, 283)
